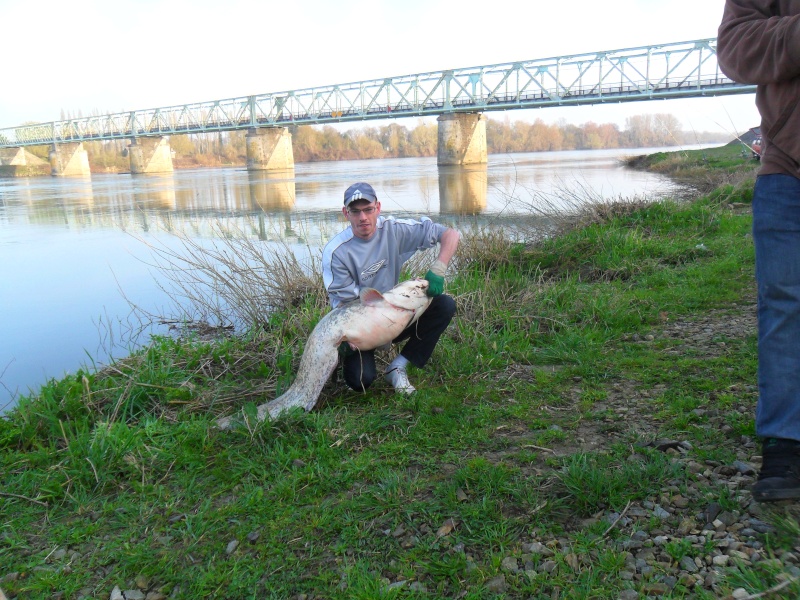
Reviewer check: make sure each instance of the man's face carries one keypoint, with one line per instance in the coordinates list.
(363, 217)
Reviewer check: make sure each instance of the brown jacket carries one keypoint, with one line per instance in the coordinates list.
(759, 43)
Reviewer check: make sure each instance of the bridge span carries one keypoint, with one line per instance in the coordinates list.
(458, 97)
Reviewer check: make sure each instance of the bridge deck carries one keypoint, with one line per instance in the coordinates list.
(679, 70)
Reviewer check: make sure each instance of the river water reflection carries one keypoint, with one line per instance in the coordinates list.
(74, 252)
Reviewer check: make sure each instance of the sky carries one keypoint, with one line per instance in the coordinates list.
(116, 55)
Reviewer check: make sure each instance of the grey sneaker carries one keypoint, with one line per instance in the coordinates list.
(399, 380)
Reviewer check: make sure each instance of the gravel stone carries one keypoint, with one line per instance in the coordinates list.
(660, 513)
(58, 554)
(656, 589)
(687, 564)
(548, 566)
(497, 584)
(509, 564)
(712, 510)
(679, 502)
(640, 535)
(670, 581)
(537, 548)
(744, 468)
(397, 584)
(760, 526)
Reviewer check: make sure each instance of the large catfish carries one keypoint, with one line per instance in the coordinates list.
(373, 320)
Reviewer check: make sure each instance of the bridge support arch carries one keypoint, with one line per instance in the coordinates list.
(269, 149)
(150, 155)
(462, 139)
(69, 160)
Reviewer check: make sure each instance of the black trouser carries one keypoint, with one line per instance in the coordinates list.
(358, 367)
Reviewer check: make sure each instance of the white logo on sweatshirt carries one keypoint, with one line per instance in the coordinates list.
(372, 270)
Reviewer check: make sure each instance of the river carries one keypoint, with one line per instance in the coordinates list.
(75, 252)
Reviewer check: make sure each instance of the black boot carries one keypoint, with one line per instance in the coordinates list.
(779, 478)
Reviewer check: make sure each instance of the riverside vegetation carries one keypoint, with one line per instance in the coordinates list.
(585, 430)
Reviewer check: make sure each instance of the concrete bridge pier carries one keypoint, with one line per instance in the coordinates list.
(69, 160)
(462, 139)
(150, 155)
(269, 149)
(18, 162)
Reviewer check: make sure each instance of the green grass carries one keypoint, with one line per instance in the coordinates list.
(380, 496)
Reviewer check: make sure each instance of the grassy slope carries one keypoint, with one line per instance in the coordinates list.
(437, 489)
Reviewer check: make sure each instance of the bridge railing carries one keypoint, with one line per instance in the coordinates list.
(682, 69)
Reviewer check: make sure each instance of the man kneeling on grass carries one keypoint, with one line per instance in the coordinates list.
(370, 254)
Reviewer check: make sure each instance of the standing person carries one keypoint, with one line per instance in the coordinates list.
(759, 43)
(370, 253)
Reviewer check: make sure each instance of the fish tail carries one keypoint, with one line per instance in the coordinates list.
(315, 369)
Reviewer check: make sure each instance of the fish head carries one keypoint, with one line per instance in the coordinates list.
(411, 295)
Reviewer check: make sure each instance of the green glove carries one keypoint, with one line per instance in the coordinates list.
(435, 278)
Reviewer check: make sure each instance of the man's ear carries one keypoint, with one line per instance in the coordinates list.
(344, 211)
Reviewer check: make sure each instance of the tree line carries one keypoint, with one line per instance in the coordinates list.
(314, 143)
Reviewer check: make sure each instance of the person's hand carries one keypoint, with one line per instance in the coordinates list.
(435, 278)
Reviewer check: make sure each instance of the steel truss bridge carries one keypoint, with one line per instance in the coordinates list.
(677, 70)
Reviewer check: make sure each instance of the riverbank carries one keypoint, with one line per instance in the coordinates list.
(103, 161)
(700, 170)
(584, 428)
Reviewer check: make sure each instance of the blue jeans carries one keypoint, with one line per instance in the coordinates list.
(359, 367)
(776, 233)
